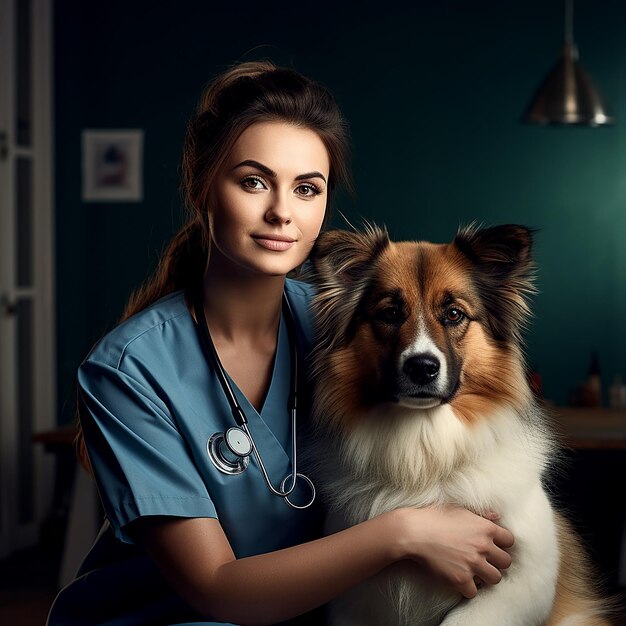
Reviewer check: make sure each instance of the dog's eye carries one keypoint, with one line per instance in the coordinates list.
(454, 315)
(390, 315)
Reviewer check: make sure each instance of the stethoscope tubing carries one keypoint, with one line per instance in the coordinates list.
(268, 482)
(239, 414)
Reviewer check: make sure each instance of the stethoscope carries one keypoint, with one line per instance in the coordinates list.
(230, 451)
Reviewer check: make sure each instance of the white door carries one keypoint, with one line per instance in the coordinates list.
(27, 360)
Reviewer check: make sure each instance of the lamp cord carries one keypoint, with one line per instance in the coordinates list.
(569, 21)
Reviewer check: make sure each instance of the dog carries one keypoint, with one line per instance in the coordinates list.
(421, 398)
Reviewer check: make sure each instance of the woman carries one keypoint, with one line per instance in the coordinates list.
(186, 541)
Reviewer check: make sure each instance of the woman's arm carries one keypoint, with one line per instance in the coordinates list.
(197, 560)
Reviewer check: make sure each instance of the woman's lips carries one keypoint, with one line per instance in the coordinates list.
(274, 244)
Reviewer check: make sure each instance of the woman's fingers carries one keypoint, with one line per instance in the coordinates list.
(499, 558)
(485, 574)
(469, 589)
(492, 516)
(489, 574)
(503, 538)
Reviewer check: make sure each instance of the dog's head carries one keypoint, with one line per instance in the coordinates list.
(422, 325)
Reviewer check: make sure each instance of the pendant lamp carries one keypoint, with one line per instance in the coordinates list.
(567, 94)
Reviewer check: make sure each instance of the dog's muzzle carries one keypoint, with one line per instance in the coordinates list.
(420, 383)
(422, 369)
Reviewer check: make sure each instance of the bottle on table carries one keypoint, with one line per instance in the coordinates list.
(594, 381)
(617, 398)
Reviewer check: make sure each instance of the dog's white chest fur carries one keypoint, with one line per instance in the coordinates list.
(492, 466)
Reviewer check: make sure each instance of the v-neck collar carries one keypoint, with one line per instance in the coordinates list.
(241, 396)
(274, 414)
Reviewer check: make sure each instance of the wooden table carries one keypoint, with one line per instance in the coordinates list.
(62, 437)
(583, 428)
(75, 487)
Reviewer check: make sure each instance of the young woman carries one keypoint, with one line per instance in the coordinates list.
(194, 531)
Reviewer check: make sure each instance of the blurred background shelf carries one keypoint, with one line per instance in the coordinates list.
(590, 428)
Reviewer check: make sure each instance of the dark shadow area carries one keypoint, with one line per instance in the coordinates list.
(28, 584)
(590, 489)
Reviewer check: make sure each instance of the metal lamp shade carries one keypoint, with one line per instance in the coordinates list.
(567, 95)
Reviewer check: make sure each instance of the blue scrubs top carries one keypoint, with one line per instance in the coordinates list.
(150, 402)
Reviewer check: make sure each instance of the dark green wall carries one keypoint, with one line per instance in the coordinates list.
(434, 94)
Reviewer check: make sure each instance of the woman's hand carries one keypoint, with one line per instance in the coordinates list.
(456, 545)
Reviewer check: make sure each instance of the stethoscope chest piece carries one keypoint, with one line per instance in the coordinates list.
(230, 451)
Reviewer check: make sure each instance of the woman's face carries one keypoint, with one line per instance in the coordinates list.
(269, 198)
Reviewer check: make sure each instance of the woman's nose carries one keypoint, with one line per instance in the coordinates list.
(279, 210)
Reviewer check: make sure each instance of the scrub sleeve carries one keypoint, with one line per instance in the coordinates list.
(149, 402)
(138, 452)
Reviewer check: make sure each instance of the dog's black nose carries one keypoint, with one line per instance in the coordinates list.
(422, 368)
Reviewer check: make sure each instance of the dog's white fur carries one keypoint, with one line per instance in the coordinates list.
(495, 465)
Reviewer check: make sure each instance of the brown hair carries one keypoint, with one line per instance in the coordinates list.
(246, 93)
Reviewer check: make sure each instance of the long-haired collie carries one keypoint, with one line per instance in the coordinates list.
(421, 398)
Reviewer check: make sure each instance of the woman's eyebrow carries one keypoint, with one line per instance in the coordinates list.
(311, 175)
(259, 166)
(269, 172)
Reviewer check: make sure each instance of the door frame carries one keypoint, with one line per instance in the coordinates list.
(13, 534)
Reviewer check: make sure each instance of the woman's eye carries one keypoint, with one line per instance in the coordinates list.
(454, 315)
(253, 183)
(308, 190)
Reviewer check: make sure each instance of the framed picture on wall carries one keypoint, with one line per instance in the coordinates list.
(112, 165)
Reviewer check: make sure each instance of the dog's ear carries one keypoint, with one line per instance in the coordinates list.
(504, 272)
(341, 265)
(342, 257)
